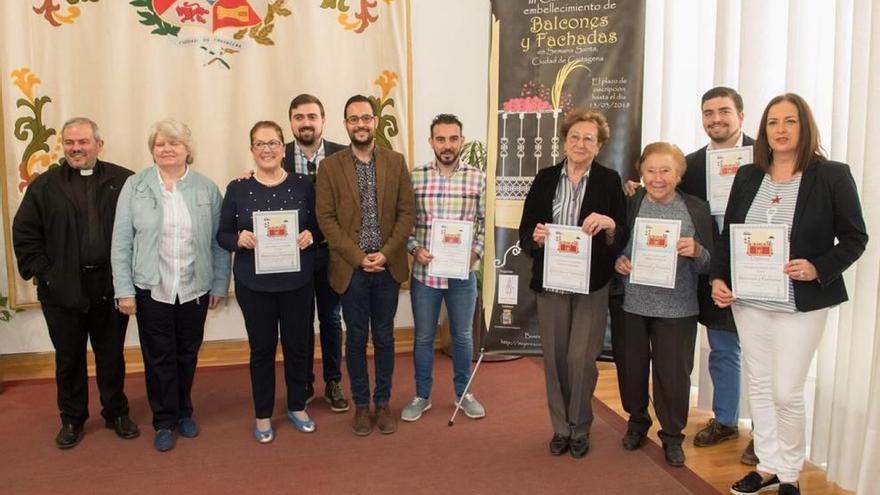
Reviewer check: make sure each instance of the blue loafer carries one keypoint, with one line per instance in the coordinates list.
(164, 440)
(307, 426)
(188, 428)
(264, 436)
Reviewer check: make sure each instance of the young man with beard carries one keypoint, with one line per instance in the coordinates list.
(445, 188)
(61, 235)
(365, 209)
(304, 155)
(722, 110)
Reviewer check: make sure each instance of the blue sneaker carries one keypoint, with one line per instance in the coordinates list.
(164, 440)
(305, 426)
(188, 428)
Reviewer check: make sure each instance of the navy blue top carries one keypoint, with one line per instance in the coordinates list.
(243, 198)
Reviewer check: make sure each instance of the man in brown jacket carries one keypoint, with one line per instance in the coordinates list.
(366, 211)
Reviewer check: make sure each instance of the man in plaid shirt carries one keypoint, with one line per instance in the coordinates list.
(449, 189)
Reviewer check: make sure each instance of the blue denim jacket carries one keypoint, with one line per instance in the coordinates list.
(134, 253)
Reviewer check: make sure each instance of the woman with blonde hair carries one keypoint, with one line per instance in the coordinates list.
(168, 270)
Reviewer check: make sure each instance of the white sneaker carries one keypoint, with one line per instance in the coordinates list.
(471, 407)
(414, 410)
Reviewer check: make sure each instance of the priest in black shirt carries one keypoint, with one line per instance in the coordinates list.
(61, 235)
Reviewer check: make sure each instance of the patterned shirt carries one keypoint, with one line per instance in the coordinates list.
(460, 196)
(774, 203)
(567, 203)
(301, 162)
(371, 239)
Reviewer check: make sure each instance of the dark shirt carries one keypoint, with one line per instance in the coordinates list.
(370, 239)
(243, 198)
(93, 245)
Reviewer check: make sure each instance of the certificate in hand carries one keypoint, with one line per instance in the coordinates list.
(276, 250)
(721, 167)
(654, 253)
(758, 254)
(567, 254)
(450, 244)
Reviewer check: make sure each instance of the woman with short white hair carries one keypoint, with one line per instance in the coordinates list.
(168, 270)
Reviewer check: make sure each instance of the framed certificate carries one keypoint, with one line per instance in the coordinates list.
(721, 167)
(450, 244)
(567, 255)
(276, 250)
(758, 254)
(654, 253)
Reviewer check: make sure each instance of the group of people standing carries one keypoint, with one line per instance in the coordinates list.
(790, 183)
(104, 244)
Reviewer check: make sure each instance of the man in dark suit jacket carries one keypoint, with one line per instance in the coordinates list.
(722, 110)
(366, 211)
(61, 235)
(304, 155)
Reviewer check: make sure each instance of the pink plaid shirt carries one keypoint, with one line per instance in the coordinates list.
(458, 197)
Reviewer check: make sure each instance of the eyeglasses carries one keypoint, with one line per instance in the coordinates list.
(364, 119)
(261, 145)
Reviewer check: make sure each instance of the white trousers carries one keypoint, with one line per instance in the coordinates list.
(777, 349)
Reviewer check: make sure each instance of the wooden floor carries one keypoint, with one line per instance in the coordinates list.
(719, 465)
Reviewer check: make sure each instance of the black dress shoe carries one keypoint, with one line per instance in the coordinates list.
(633, 440)
(124, 427)
(579, 447)
(755, 483)
(674, 454)
(559, 444)
(69, 436)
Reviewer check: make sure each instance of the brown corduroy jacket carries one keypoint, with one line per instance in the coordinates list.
(339, 213)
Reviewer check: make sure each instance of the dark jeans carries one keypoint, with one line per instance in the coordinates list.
(265, 313)
(171, 335)
(369, 304)
(668, 343)
(69, 330)
(330, 322)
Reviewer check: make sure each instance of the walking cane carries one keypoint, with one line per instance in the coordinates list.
(466, 388)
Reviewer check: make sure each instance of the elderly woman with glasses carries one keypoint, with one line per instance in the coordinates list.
(168, 271)
(579, 191)
(275, 302)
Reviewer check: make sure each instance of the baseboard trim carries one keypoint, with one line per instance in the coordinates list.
(41, 365)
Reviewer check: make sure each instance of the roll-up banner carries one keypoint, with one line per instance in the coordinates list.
(548, 57)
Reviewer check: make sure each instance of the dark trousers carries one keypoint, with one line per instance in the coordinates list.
(369, 305)
(170, 335)
(69, 330)
(668, 344)
(330, 322)
(265, 313)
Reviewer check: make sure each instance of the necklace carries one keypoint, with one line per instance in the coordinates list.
(275, 183)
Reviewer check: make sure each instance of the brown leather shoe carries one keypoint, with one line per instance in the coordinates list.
(715, 433)
(385, 421)
(363, 423)
(748, 456)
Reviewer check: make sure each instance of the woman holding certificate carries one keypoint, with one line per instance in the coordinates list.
(792, 203)
(582, 203)
(168, 271)
(269, 222)
(671, 238)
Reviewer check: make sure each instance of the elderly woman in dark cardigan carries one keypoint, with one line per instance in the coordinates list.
(579, 191)
(659, 325)
(793, 184)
